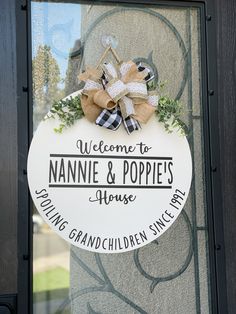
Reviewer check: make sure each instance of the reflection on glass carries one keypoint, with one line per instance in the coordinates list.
(50, 269)
(55, 38)
(56, 30)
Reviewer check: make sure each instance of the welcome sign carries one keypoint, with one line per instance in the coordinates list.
(107, 191)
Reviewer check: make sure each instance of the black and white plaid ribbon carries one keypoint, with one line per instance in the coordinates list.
(111, 119)
(131, 125)
(149, 75)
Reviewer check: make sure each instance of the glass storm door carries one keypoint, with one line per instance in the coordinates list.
(170, 275)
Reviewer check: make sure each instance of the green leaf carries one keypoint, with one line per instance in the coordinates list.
(168, 112)
(67, 111)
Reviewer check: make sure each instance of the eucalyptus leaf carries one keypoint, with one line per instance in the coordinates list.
(68, 111)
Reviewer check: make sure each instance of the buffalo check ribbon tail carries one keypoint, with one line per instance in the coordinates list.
(112, 119)
(131, 125)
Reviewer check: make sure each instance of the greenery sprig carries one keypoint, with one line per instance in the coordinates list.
(68, 111)
(169, 112)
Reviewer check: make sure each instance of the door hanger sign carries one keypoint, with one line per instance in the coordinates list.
(104, 190)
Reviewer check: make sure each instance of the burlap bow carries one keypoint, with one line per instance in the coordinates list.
(113, 94)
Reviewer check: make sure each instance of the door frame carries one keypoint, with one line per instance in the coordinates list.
(211, 148)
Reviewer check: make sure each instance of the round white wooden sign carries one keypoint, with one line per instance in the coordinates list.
(107, 191)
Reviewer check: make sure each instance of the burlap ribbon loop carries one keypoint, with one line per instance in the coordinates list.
(115, 93)
(116, 89)
(103, 100)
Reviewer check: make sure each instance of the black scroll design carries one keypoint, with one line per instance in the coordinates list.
(91, 310)
(156, 280)
(62, 28)
(104, 284)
